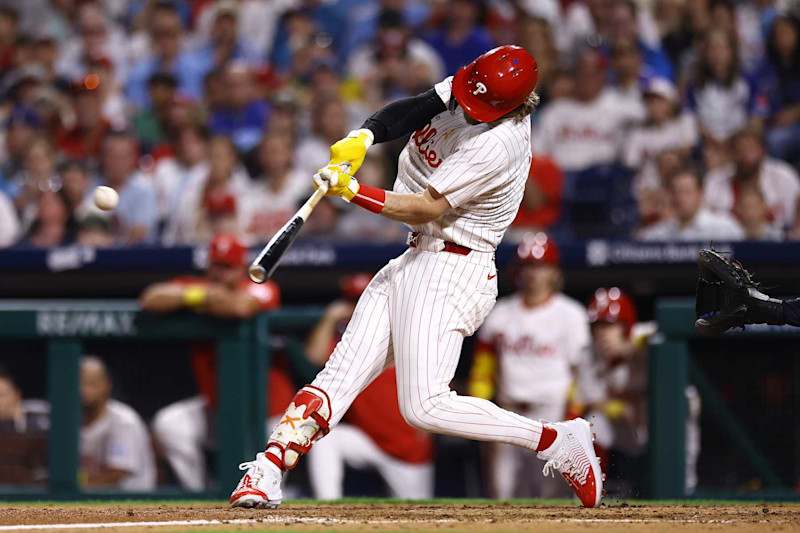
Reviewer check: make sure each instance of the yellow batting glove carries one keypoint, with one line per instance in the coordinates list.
(339, 182)
(352, 149)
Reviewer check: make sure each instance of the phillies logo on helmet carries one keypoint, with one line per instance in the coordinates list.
(479, 89)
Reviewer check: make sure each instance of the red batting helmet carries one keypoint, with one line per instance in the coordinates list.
(354, 286)
(496, 82)
(227, 249)
(612, 306)
(537, 248)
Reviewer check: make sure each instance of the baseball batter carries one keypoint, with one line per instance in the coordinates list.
(459, 185)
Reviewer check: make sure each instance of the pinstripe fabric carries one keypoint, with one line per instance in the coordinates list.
(416, 312)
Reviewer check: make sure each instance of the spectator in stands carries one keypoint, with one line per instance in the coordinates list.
(38, 175)
(587, 130)
(136, 216)
(99, 39)
(753, 213)
(94, 231)
(182, 428)
(190, 223)
(692, 221)
(277, 191)
(652, 191)
(52, 225)
(75, 187)
(115, 447)
(626, 68)
(623, 24)
(373, 434)
(536, 36)
(719, 95)
(172, 176)
(541, 203)
(9, 222)
(149, 123)
(300, 43)
(778, 81)
(666, 128)
(395, 64)
(9, 25)
(225, 43)
(243, 117)
(328, 124)
(365, 20)
(462, 37)
(84, 139)
(169, 56)
(21, 126)
(776, 179)
(113, 106)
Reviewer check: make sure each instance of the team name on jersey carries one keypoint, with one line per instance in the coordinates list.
(423, 140)
(525, 345)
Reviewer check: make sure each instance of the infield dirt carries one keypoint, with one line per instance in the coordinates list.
(412, 517)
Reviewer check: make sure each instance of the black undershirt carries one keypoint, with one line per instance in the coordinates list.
(404, 116)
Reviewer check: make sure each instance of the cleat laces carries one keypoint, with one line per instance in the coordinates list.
(567, 460)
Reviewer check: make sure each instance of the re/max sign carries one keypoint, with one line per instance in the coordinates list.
(85, 323)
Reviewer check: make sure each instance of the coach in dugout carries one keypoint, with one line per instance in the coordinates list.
(182, 429)
(373, 433)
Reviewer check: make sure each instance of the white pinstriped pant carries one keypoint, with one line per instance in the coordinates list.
(416, 312)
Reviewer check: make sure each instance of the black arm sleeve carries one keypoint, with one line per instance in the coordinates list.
(404, 116)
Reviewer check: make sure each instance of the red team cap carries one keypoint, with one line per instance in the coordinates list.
(538, 248)
(496, 82)
(227, 249)
(354, 286)
(612, 306)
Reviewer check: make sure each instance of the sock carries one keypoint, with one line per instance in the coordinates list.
(547, 438)
(791, 312)
(272, 453)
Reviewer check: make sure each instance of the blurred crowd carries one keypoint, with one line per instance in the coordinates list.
(660, 119)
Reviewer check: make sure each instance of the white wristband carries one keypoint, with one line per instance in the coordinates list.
(367, 132)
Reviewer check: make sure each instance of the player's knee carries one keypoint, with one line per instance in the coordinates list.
(413, 415)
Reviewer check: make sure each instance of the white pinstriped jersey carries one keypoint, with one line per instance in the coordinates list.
(480, 169)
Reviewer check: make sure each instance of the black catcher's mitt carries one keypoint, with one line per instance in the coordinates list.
(727, 297)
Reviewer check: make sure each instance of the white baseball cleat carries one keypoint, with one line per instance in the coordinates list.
(261, 485)
(572, 455)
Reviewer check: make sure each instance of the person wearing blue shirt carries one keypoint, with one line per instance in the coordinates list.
(363, 23)
(778, 88)
(136, 215)
(225, 44)
(243, 118)
(170, 58)
(462, 39)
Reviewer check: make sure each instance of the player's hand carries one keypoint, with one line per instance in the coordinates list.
(339, 182)
(351, 150)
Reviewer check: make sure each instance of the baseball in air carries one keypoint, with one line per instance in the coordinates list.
(106, 198)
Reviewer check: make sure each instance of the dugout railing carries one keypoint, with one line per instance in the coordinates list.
(672, 367)
(243, 357)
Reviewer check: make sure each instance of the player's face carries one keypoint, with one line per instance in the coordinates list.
(228, 275)
(95, 386)
(609, 339)
(538, 279)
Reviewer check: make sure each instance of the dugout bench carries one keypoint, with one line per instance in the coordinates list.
(243, 357)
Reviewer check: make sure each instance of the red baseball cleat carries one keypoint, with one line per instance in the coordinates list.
(572, 455)
(260, 486)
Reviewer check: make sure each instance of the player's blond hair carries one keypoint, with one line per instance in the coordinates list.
(524, 109)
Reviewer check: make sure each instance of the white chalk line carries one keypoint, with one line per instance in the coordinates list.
(340, 521)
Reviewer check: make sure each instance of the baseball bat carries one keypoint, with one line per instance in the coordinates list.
(267, 261)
